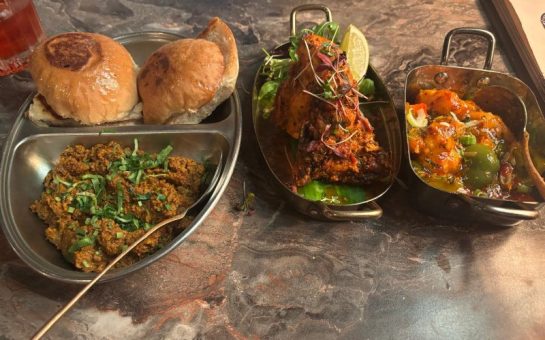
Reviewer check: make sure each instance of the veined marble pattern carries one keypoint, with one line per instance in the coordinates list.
(275, 273)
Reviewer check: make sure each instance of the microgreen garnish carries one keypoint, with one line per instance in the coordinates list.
(329, 70)
(328, 80)
(274, 68)
(247, 204)
(328, 29)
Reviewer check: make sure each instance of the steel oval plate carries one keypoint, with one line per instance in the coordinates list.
(30, 151)
(272, 142)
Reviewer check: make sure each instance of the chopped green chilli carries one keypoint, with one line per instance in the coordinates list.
(332, 193)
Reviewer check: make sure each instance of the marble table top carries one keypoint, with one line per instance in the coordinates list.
(278, 274)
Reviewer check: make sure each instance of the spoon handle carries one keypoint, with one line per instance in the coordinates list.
(534, 173)
(41, 332)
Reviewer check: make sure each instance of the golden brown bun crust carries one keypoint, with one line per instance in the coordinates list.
(180, 77)
(87, 77)
(218, 32)
(184, 81)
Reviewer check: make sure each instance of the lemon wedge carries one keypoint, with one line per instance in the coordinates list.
(357, 51)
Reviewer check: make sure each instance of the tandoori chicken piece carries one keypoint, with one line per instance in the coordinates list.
(318, 104)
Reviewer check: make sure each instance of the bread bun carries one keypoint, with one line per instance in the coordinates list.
(87, 77)
(184, 81)
(218, 32)
(180, 78)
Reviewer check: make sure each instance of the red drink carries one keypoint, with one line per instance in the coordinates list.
(20, 32)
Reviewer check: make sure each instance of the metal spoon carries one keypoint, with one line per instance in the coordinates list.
(209, 182)
(512, 110)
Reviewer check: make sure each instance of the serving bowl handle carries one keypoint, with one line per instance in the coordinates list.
(489, 37)
(519, 214)
(373, 212)
(309, 7)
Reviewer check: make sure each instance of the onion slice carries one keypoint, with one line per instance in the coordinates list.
(420, 121)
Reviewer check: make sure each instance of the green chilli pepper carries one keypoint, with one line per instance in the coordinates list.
(481, 164)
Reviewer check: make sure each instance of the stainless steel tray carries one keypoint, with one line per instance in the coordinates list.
(30, 151)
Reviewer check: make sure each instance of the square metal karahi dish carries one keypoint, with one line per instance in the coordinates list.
(463, 128)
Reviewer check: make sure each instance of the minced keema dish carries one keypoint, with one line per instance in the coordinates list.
(96, 201)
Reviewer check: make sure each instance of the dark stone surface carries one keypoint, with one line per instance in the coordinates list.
(275, 273)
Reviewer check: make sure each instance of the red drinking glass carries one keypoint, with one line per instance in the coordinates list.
(20, 33)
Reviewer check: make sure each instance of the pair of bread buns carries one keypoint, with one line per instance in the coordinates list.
(89, 79)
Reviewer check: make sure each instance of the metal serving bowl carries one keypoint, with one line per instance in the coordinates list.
(272, 141)
(466, 82)
(30, 151)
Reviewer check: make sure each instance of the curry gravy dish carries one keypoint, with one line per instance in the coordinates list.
(458, 147)
(96, 201)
